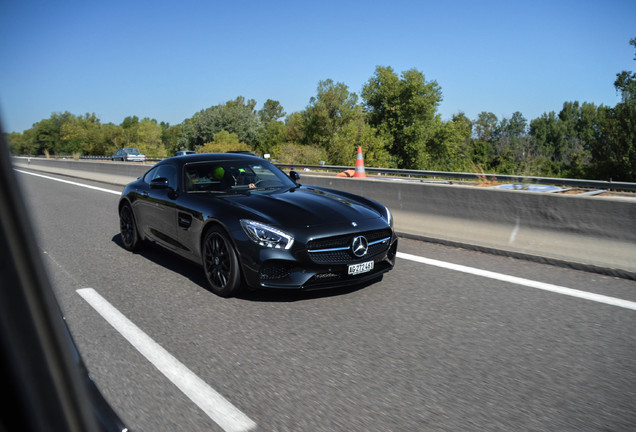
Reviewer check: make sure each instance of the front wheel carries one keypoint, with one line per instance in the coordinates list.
(220, 263)
(128, 228)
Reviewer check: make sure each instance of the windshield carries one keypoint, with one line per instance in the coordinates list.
(234, 175)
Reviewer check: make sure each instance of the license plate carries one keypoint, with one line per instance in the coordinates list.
(364, 267)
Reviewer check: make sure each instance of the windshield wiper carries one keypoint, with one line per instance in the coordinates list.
(268, 188)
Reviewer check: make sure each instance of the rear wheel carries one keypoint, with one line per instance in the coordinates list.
(220, 263)
(128, 228)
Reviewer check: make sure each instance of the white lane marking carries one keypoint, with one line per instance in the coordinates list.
(70, 182)
(222, 412)
(521, 281)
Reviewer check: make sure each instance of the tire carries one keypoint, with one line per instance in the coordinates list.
(220, 263)
(128, 228)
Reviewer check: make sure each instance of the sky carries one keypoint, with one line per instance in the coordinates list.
(169, 60)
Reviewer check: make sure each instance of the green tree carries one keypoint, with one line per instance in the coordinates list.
(485, 125)
(130, 121)
(272, 111)
(514, 127)
(130, 126)
(548, 133)
(327, 112)
(511, 145)
(170, 137)
(625, 82)
(241, 103)
(274, 134)
(112, 137)
(274, 131)
(294, 124)
(22, 143)
(223, 142)
(47, 132)
(73, 136)
(403, 109)
(81, 134)
(450, 147)
(614, 149)
(294, 153)
(237, 116)
(14, 141)
(483, 150)
(579, 129)
(565, 139)
(149, 142)
(357, 133)
(333, 121)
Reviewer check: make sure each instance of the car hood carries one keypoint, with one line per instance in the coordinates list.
(304, 207)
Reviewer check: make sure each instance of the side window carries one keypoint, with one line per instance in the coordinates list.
(205, 177)
(169, 172)
(150, 175)
(190, 178)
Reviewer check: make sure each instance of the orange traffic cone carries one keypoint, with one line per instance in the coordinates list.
(360, 164)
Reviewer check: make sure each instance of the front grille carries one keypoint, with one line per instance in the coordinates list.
(337, 250)
(345, 240)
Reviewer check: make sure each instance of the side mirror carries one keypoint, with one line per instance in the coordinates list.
(294, 176)
(159, 183)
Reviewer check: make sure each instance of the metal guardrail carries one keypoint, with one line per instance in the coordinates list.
(503, 178)
(148, 158)
(554, 181)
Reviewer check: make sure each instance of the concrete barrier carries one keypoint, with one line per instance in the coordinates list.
(586, 232)
(119, 173)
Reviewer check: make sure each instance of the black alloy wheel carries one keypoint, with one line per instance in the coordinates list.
(128, 228)
(220, 263)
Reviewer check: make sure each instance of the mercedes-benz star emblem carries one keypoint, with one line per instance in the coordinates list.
(359, 246)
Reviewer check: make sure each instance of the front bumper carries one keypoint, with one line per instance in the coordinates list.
(280, 270)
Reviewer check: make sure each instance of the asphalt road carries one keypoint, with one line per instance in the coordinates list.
(428, 348)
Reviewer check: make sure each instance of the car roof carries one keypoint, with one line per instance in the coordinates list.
(242, 152)
(202, 157)
(208, 157)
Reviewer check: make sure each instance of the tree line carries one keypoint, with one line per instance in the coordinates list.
(394, 120)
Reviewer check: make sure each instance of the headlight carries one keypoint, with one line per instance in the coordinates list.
(266, 236)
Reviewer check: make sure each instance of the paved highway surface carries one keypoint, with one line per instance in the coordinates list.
(434, 346)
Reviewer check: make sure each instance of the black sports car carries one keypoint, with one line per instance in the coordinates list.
(249, 224)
